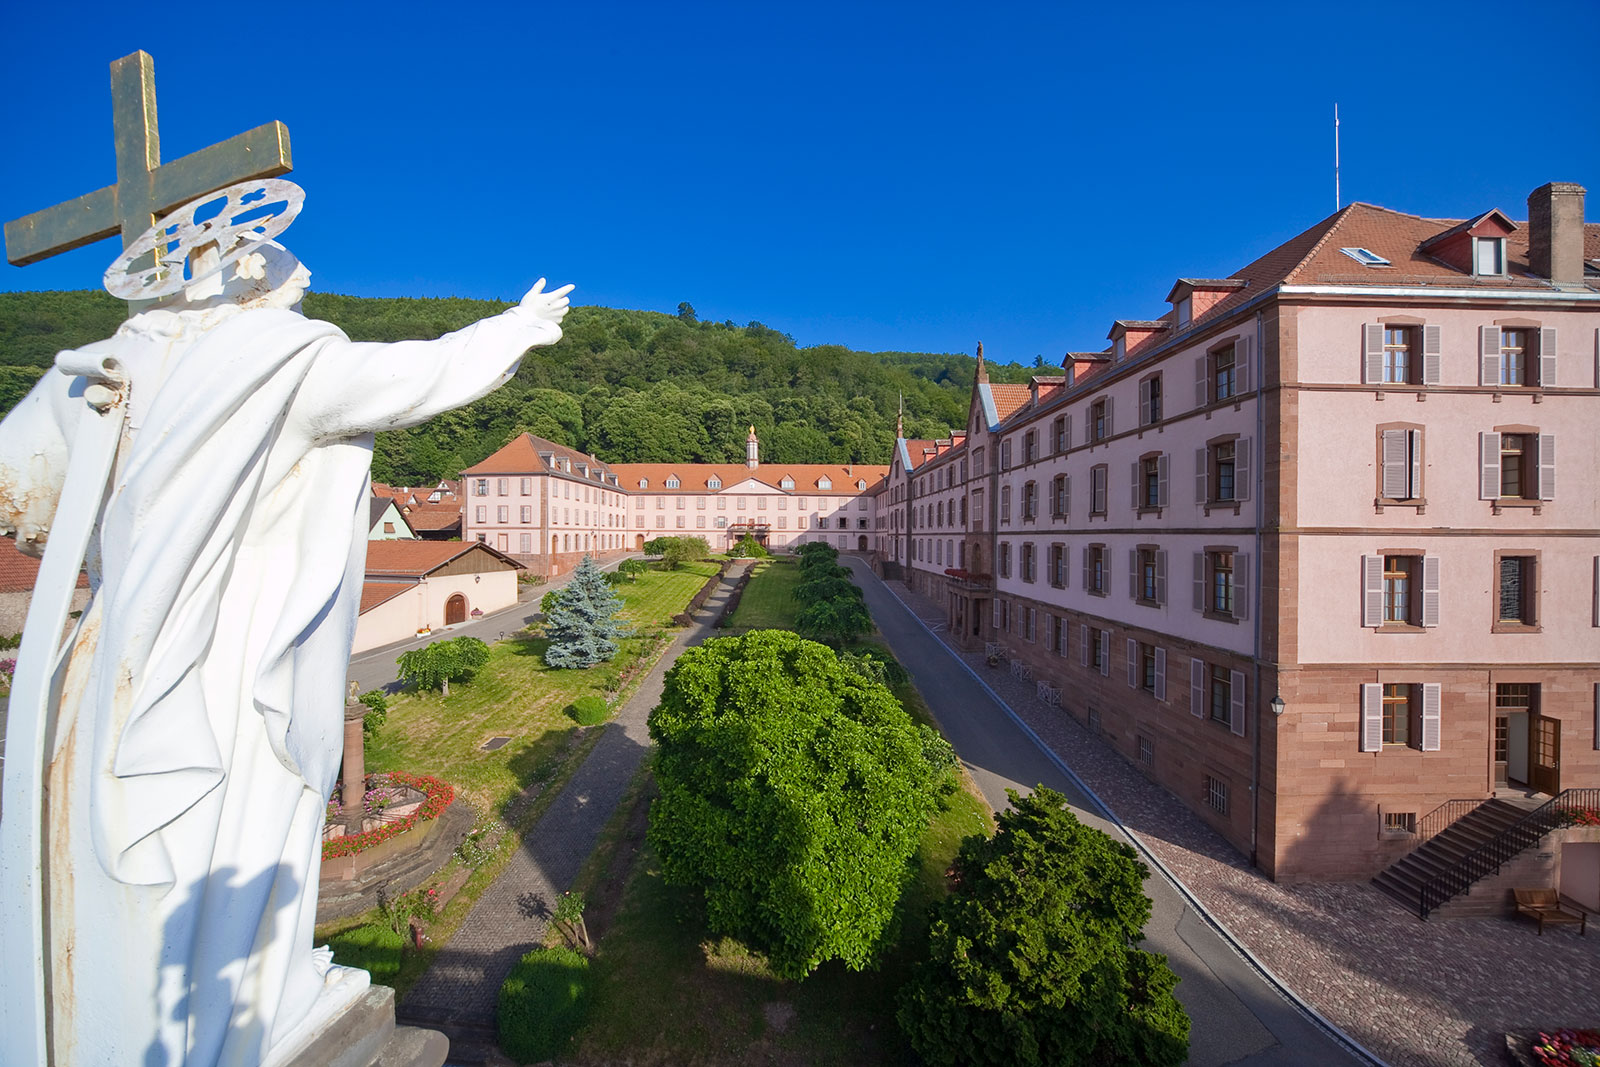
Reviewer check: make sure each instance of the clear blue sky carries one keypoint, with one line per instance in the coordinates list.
(914, 176)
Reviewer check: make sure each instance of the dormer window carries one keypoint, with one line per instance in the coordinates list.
(644, 483)
(861, 483)
(788, 482)
(1489, 256)
(714, 483)
(672, 482)
(824, 483)
(1119, 350)
(1184, 309)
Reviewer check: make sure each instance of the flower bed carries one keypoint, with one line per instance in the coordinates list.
(1568, 1048)
(1582, 817)
(439, 794)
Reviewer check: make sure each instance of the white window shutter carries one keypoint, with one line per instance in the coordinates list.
(1161, 674)
(1133, 664)
(1432, 355)
(1414, 457)
(1488, 355)
(1133, 573)
(1371, 717)
(1241, 469)
(1430, 590)
(1083, 641)
(1144, 402)
(1547, 466)
(1202, 392)
(1547, 358)
(997, 613)
(1371, 590)
(1241, 585)
(1241, 367)
(1431, 709)
(1161, 480)
(1197, 688)
(1237, 705)
(1372, 353)
(1105, 653)
(1066, 429)
(1201, 476)
(1395, 465)
(1200, 583)
(1138, 497)
(1161, 577)
(1488, 466)
(1596, 732)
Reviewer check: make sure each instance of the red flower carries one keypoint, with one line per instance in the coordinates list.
(440, 796)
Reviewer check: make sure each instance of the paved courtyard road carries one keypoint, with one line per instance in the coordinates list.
(1238, 1016)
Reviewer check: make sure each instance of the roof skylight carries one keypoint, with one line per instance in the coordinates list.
(1366, 257)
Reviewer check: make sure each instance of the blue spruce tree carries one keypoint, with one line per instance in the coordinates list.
(583, 624)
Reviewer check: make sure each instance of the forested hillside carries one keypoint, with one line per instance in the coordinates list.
(626, 386)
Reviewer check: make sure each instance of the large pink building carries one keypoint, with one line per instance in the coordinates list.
(1318, 548)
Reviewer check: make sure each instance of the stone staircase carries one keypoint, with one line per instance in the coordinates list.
(1403, 880)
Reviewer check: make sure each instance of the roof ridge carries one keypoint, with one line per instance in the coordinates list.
(1333, 223)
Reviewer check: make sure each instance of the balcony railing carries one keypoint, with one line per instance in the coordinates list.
(967, 580)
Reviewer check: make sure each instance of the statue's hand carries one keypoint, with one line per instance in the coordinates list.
(547, 307)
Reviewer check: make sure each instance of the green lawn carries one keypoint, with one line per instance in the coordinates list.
(768, 600)
(659, 595)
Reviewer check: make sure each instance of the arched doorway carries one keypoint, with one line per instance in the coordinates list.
(861, 542)
(638, 542)
(455, 610)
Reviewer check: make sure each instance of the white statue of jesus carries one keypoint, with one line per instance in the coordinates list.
(199, 729)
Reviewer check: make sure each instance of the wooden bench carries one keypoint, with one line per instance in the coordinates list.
(1543, 906)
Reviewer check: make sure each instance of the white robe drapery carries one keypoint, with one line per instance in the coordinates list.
(200, 728)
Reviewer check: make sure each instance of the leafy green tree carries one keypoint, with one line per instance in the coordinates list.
(583, 625)
(826, 587)
(632, 568)
(1033, 958)
(836, 621)
(443, 662)
(377, 712)
(680, 550)
(749, 548)
(793, 794)
(686, 313)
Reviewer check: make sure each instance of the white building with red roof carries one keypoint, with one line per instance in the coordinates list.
(417, 587)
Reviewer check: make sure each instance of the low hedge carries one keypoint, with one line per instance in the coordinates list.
(543, 1003)
(589, 710)
(440, 795)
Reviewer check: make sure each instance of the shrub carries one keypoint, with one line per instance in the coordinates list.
(377, 712)
(548, 601)
(1032, 959)
(589, 710)
(835, 622)
(793, 794)
(543, 1003)
(749, 547)
(680, 550)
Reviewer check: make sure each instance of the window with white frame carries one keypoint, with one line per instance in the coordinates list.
(1401, 715)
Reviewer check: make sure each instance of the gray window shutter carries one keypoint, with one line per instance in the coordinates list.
(1144, 402)
(1105, 653)
(1547, 466)
(1066, 430)
(1241, 366)
(1066, 494)
(1110, 429)
(1414, 455)
(1161, 674)
(1201, 476)
(1371, 717)
(1197, 688)
(1371, 590)
(1596, 733)
(1395, 465)
(1241, 585)
(1138, 497)
(1430, 590)
(1133, 664)
(997, 613)
(1594, 619)
(1432, 353)
(1086, 576)
(1084, 642)
(1372, 356)
(1161, 578)
(1133, 573)
(1237, 705)
(1202, 391)
(1547, 357)
(1241, 469)
(1200, 582)
(1431, 700)
(1161, 479)
(1488, 355)
(1488, 466)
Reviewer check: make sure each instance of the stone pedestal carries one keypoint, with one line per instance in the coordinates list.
(365, 1035)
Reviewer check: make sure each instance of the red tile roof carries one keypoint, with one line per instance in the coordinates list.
(434, 517)
(694, 477)
(18, 572)
(413, 559)
(1009, 397)
(521, 456)
(375, 593)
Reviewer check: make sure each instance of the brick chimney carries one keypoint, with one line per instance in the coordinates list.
(1555, 232)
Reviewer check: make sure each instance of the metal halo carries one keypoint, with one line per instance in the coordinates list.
(235, 230)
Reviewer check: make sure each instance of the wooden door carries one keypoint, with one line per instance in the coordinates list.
(455, 610)
(1545, 765)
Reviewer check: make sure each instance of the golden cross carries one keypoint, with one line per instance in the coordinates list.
(146, 188)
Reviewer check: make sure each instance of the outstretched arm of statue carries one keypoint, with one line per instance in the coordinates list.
(359, 387)
(33, 458)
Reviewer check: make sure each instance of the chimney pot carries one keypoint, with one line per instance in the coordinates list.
(1555, 232)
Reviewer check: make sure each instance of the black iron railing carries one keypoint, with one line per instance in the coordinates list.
(1444, 816)
(1488, 857)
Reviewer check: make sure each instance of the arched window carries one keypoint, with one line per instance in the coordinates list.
(644, 483)
(861, 483)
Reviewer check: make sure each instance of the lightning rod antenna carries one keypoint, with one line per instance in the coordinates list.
(1338, 201)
